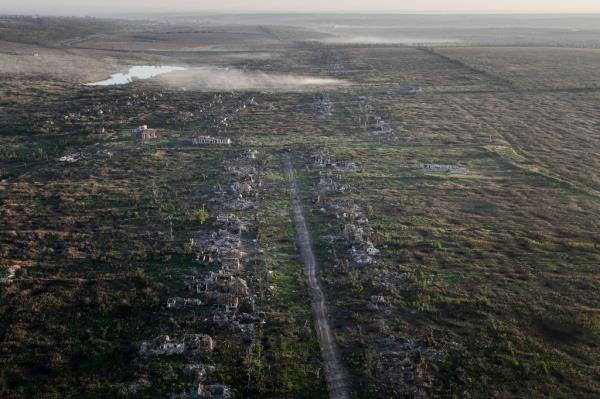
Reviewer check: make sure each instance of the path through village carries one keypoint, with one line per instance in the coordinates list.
(335, 374)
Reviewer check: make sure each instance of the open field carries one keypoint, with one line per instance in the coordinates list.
(450, 191)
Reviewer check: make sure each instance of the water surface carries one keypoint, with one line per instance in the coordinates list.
(136, 72)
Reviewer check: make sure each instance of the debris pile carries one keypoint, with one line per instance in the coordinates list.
(401, 366)
(143, 133)
(189, 344)
(348, 210)
(321, 159)
(377, 301)
(80, 156)
(11, 273)
(323, 105)
(179, 303)
(368, 119)
(406, 90)
(437, 168)
(215, 391)
(209, 140)
(327, 185)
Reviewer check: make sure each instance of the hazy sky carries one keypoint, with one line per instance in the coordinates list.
(89, 7)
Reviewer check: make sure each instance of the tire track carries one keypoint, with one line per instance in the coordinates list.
(335, 374)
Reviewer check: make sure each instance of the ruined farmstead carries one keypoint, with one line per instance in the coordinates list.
(383, 126)
(400, 365)
(321, 159)
(348, 210)
(189, 344)
(328, 185)
(437, 168)
(225, 301)
(241, 171)
(143, 133)
(215, 244)
(250, 154)
(10, 274)
(206, 258)
(215, 391)
(357, 234)
(232, 223)
(221, 281)
(210, 140)
(180, 303)
(364, 254)
(241, 189)
(198, 370)
(239, 204)
(231, 264)
(324, 105)
(376, 302)
(238, 321)
(80, 156)
(348, 167)
(227, 259)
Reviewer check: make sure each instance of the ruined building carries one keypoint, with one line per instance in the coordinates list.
(143, 133)
(209, 140)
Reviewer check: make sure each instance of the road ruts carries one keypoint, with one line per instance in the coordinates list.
(335, 374)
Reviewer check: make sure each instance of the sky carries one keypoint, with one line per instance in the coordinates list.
(95, 7)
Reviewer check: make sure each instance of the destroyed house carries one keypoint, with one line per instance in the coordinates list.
(143, 133)
(216, 391)
(165, 345)
(227, 301)
(443, 168)
(209, 140)
(198, 343)
(178, 303)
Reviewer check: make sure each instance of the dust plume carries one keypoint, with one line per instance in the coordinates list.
(374, 39)
(225, 79)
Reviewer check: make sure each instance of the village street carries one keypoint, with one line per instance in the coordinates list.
(335, 374)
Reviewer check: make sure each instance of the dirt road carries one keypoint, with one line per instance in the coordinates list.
(335, 374)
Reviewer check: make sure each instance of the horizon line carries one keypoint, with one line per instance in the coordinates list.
(297, 12)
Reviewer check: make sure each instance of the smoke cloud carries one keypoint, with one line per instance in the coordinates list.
(374, 39)
(226, 79)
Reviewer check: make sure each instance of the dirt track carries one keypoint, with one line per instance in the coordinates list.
(335, 374)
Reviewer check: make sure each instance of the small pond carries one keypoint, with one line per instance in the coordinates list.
(136, 72)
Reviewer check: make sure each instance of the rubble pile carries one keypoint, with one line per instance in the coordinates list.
(321, 159)
(221, 111)
(143, 133)
(406, 90)
(11, 273)
(356, 234)
(401, 366)
(327, 185)
(243, 183)
(80, 156)
(210, 140)
(368, 119)
(214, 391)
(323, 105)
(348, 210)
(437, 168)
(189, 344)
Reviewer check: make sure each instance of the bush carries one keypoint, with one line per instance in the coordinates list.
(202, 216)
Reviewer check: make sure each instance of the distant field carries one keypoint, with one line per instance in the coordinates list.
(535, 67)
